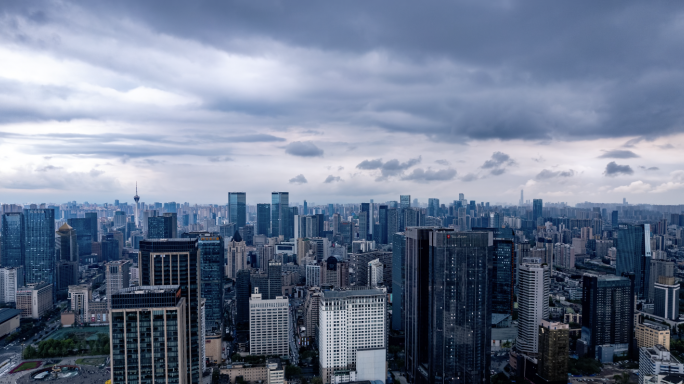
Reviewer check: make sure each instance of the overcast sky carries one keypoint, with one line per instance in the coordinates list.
(341, 101)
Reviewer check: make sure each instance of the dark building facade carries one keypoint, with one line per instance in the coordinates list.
(212, 253)
(607, 310)
(85, 228)
(382, 235)
(39, 245)
(242, 291)
(162, 227)
(263, 219)
(148, 335)
(398, 279)
(177, 262)
(554, 339)
(270, 284)
(280, 210)
(504, 269)
(12, 240)
(537, 207)
(634, 255)
(237, 205)
(448, 305)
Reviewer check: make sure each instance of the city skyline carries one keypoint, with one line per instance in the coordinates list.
(215, 94)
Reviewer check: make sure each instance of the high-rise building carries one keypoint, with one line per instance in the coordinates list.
(306, 208)
(365, 221)
(280, 210)
(34, 299)
(117, 277)
(313, 275)
(177, 262)
(383, 237)
(162, 227)
(269, 283)
(334, 273)
(349, 321)
(537, 210)
(12, 239)
(649, 335)
(80, 296)
(534, 280)
(311, 313)
(504, 269)
(67, 274)
(666, 298)
(269, 325)
(39, 245)
(11, 279)
(554, 339)
(375, 272)
(657, 360)
(263, 219)
(404, 201)
(448, 341)
(607, 310)
(148, 335)
(398, 279)
(237, 205)
(67, 243)
(634, 255)
(658, 268)
(433, 207)
(614, 219)
(236, 256)
(242, 293)
(212, 253)
(84, 232)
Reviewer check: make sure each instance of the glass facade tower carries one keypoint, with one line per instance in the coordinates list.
(13, 238)
(237, 204)
(39, 249)
(383, 237)
(280, 210)
(263, 219)
(84, 234)
(536, 209)
(398, 279)
(634, 255)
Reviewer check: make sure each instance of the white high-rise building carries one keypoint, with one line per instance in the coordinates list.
(375, 272)
(534, 281)
(269, 325)
(10, 280)
(118, 277)
(349, 321)
(313, 275)
(657, 360)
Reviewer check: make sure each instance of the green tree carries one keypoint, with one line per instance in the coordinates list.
(316, 380)
(292, 371)
(500, 378)
(622, 378)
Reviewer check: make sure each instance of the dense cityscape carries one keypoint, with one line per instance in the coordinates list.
(400, 291)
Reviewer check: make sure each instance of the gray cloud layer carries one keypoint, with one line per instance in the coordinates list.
(614, 169)
(618, 154)
(304, 149)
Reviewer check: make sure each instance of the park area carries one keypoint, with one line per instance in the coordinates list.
(26, 365)
(71, 342)
(78, 333)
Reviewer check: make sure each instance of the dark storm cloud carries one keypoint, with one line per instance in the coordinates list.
(420, 175)
(548, 174)
(331, 179)
(303, 149)
(299, 179)
(390, 168)
(511, 77)
(618, 154)
(614, 169)
(498, 159)
(370, 164)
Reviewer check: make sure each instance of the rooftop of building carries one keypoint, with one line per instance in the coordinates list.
(352, 293)
(657, 327)
(8, 313)
(118, 262)
(660, 353)
(150, 288)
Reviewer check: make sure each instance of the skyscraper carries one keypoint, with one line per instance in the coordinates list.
(177, 262)
(237, 204)
(448, 305)
(280, 210)
(554, 339)
(433, 207)
(504, 269)
(148, 335)
(212, 253)
(136, 198)
(666, 298)
(536, 209)
(614, 219)
(533, 304)
(269, 325)
(607, 310)
(12, 240)
(117, 277)
(263, 219)
(67, 263)
(367, 221)
(39, 250)
(634, 255)
(162, 227)
(242, 293)
(84, 233)
(398, 279)
(382, 237)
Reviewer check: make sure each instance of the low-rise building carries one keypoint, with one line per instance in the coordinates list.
(657, 360)
(34, 300)
(9, 320)
(649, 335)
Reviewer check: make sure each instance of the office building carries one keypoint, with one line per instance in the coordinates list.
(533, 304)
(359, 263)
(67, 274)
(148, 335)
(607, 310)
(177, 262)
(236, 256)
(313, 275)
(117, 277)
(649, 335)
(67, 243)
(79, 297)
(269, 325)
(614, 219)
(657, 360)
(658, 268)
(12, 239)
(349, 321)
(666, 298)
(554, 339)
(634, 255)
(280, 211)
(334, 273)
(433, 207)
(162, 227)
(11, 279)
(86, 232)
(34, 299)
(398, 279)
(10, 320)
(212, 251)
(503, 269)
(243, 290)
(39, 245)
(382, 237)
(444, 266)
(311, 314)
(269, 283)
(375, 271)
(263, 219)
(537, 210)
(237, 206)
